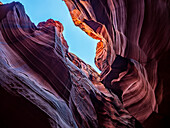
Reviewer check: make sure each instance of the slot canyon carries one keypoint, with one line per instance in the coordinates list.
(43, 85)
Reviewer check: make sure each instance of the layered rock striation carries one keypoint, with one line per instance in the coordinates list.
(134, 43)
(43, 85)
(37, 69)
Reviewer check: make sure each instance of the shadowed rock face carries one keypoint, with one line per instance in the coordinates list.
(48, 82)
(37, 69)
(134, 44)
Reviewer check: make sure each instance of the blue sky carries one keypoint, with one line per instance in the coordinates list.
(79, 42)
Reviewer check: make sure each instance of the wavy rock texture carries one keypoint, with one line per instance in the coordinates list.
(132, 52)
(43, 85)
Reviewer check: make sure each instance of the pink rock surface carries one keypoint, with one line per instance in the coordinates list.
(48, 82)
(138, 31)
(36, 69)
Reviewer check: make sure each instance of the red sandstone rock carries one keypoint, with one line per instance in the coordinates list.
(38, 72)
(138, 31)
(36, 68)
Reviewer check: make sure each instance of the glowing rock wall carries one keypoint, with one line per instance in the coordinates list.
(36, 69)
(40, 79)
(134, 44)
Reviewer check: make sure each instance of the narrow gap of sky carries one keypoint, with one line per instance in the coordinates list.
(79, 42)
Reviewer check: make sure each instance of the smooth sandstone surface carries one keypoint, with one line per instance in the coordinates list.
(132, 52)
(44, 85)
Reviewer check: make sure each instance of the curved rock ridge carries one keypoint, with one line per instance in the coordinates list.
(134, 44)
(34, 50)
(49, 83)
